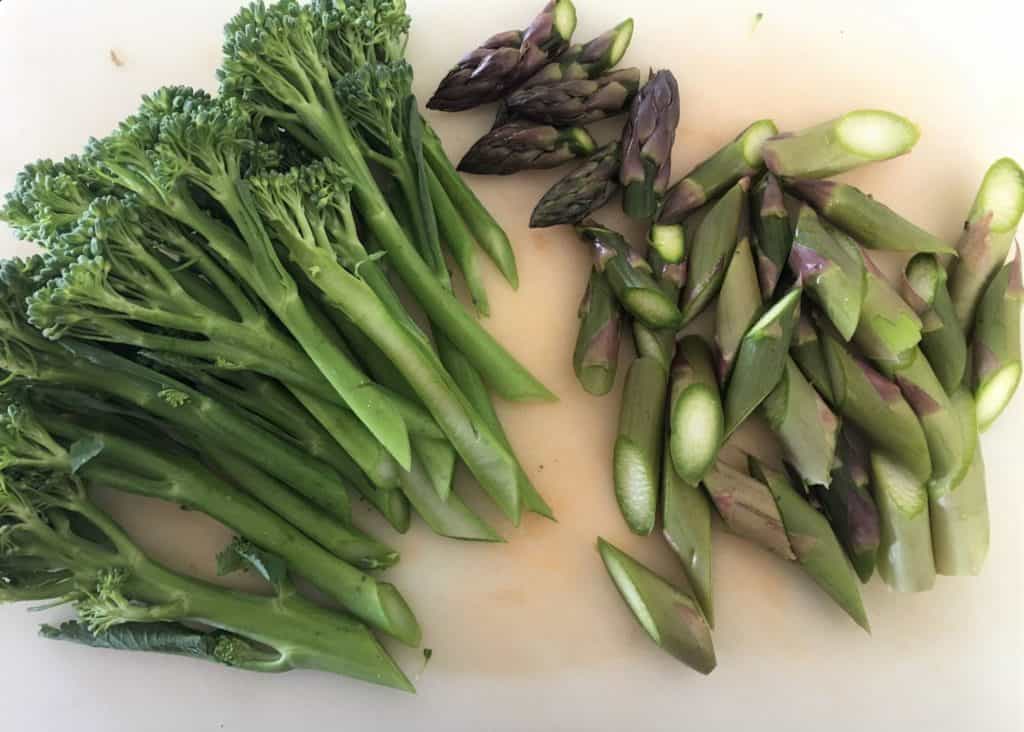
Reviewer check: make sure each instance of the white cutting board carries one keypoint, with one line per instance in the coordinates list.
(530, 635)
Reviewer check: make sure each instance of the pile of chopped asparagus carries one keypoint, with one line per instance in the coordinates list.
(214, 321)
(877, 391)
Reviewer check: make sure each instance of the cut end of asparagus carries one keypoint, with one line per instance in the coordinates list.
(579, 141)
(753, 140)
(623, 34)
(905, 558)
(1002, 193)
(696, 432)
(636, 486)
(877, 134)
(669, 241)
(564, 19)
(994, 394)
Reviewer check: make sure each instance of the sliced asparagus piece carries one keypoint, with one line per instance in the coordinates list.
(852, 512)
(584, 61)
(773, 232)
(809, 355)
(740, 158)
(831, 269)
(739, 302)
(876, 405)
(520, 145)
(942, 337)
(804, 424)
(630, 277)
(889, 328)
(996, 343)
(748, 508)
(696, 418)
(576, 101)
(647, 140)
(840, 145)
(712, 248)
(905, 559)
(583, 191)
(596, 357)
(762, 360)
(960, 523)
(686, 519)
(815, 544)
(637, 456)
(874, 225)
(670, 616)
(989, 234)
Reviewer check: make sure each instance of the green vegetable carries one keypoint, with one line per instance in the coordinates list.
(647, 140)
(586, 60)
(686, 518)
(773, 232)
(696, 419)
(739, 302)
(748, 508)
(942, 337)
(523, 145)
(996, 343)
(596, 357)
(905, 559)
(581, 192)
(576, 101)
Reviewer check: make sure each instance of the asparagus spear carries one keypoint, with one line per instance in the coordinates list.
(647, 141)
(739, 302)
(577, 101)
(762, 360)
(876, 406)
(996, 343)
(686, 519)
(874, 225)
(596, 357)
(523, 145)
(630, 277)
(989, 233)
(696, 419)
(773, 232)
(505, 60)
(831, 269)
(905, 559)
(840, 145)
(942, 337)
(748, 508)
(959, 517)
(814, 543)
(809, 355)
(669, 615)
(851, 509)
(804, 424)
(712, 249)
(584, 190)
(587, 60)
(740, 158)
(889, 328)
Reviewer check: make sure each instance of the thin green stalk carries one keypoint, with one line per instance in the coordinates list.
(942, 337)
(596, 356)
(739, 302)
(686, 518)
(460, 243)
(905, 559)
(996, 343)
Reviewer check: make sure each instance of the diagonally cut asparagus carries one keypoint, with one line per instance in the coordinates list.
(905, 559)
(686, 519)
(996, 343)
(739, 302)
(773, 232)
(942, 337)
(889, 328)
(586, 60)
(840, 145)
(696, 418)
(808, 353)
(748, 508)
(596, 357)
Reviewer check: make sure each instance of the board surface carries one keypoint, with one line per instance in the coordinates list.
(530, 634)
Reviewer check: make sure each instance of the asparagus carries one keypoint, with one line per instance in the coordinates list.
(762, 360)
(748, 508)
(989, 233)
(870, 222)
(996, 343)
(647, 140)
(840, 145)
(581, 192)
(712, 248)
(809, 355)
(522, 145)
(630, 277)
(851, 509)
(959, 517)
(739, 302)
(889, 328)
(831, 269)
(741, 158)
(505, 60)
(596, 357)
(942, 337)
(686, 519)
(637, 454)
(804, 424)
(577, 101)
(587, 60)
(876, 406)
(905, 559)
(669, 615)
(814, 543)
(773, 232)
(696, 419)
